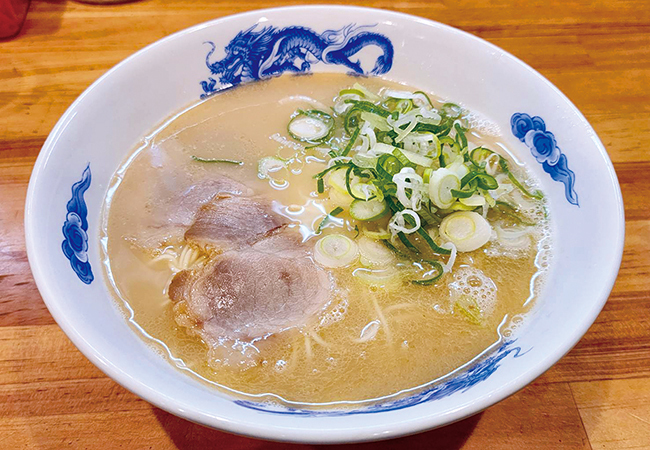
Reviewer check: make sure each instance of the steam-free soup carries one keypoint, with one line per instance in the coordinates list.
(324, 238)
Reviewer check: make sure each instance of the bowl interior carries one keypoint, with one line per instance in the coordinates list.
(111, 117)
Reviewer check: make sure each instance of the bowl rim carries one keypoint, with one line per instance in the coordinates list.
(314, 435)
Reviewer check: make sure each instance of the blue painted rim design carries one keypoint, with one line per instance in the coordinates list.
(459, 383)
(271, 51)
(543, 146)
(75, 227)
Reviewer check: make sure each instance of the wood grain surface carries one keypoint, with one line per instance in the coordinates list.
(598, 396)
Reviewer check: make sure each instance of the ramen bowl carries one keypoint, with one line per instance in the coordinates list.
(92, 139)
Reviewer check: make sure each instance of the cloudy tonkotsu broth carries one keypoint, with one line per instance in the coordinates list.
(351, 338)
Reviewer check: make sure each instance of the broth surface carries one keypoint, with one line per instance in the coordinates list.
(417, 335)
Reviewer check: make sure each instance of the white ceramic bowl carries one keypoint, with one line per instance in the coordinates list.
(106, 121)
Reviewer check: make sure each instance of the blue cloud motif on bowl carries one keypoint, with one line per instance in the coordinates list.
(522, 123)
(459, 383)
(271, 51)
(75, 227)
(543, 146)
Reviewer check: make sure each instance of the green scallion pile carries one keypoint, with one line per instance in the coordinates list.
(397, 159)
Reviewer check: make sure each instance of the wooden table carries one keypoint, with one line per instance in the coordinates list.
(598, 396)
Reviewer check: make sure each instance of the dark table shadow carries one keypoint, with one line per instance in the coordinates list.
(35, 24)
(187, 435)
(44, 17)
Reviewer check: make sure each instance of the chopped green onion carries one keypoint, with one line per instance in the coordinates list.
(427, 216)
(510, 211)
(397, 251)
(404, 240)
(373, 253)
(336, 250)
(378, 277)
(430, 145)
(368, 210)
(460, 136)
(402, 158)
(404, 105)
(390, 188)
(465, 193)
(215, 160)
(467, 230)
(411, 159)
(365, 189)
(348, 186)
(268, 165)
(451, 110)
(486, 181)
(421, 231)
(406, 131)
(479, 155)
(333, 213)
(459, 168)
(425, 96)
(364, 161)
(467, 178)
(468, 307)
(447, 156)
(335, 166)
(489, 199)
(423, 143)
(337, 179)
(388, 165)
(458, 206)
(377, 235)
(435, 247)
(366, 93)
(363, 105)
(310, 126)
(439, 272)
(442, 183)
(503, 164)
(426, 175)
(378, 123)
(441, 130)
(351, 92)
(475, 200)
(353, 139)
(352, 117)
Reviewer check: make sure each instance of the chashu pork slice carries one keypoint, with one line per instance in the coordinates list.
(229, 222)
(182, 207)
(245, 295)
(174, 205)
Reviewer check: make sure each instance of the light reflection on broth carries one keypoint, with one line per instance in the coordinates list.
(369, 342)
